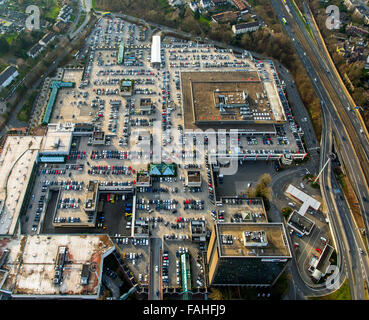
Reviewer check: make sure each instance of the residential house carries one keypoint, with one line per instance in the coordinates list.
(59, 26)
(35, 50)
(7, 76)
(47, 39)
(65, 13)
(225, 16)
(245, 27)
(219, 2)
(239, 4)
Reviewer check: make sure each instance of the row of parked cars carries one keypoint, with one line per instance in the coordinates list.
(40, 207)
(67, 220)
(191, 204)
(109, 154)
(210, 181)
(69, 203)
(115, 183)
(52, 171)
(165, 268)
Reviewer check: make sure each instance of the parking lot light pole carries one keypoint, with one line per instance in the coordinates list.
(330, 157)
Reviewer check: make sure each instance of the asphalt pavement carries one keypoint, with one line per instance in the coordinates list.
(346, 150)
(155, 277)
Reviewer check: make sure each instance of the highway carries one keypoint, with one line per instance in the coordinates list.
(349, 240)
(347, 258)
(347, 237)
(352, 114)
(352, 141)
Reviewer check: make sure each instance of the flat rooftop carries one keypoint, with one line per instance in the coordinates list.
(16, 163)
(324, 262)
(307, 201)
(58, 139)
(229, 98)
(32, 261)
(249, 209)
(230, 237)
(301, 223)
(194, 176)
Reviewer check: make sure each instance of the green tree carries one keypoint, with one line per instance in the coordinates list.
(4, 46)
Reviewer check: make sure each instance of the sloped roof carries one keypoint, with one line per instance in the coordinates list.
(161, 169)
(7, 73)
(155, 171)
(168, 171)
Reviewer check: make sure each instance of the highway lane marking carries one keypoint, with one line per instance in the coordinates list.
(357, 246)
(349, 162)
(329, 110)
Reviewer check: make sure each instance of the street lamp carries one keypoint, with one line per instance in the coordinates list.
(332, 156)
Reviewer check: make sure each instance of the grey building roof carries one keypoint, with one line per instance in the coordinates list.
(48, 37)
(36, 48)
(7, 73)
(246, 25)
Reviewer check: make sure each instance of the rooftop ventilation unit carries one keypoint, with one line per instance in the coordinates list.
(227, 239)
(255, 238)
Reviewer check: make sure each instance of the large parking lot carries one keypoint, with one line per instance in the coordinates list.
(128, 101)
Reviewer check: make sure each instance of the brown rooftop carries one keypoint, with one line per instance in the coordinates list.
(194, 176)
(216, 98)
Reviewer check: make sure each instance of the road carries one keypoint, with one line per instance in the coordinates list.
(316, 69)
(155, 277)
(343, 241)
(310, 138)
(302, 117)
(355, 147)
(347, 103)
(75, 22)
(85, 5)
(349, 234)
(13, 121)
(351, 114)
